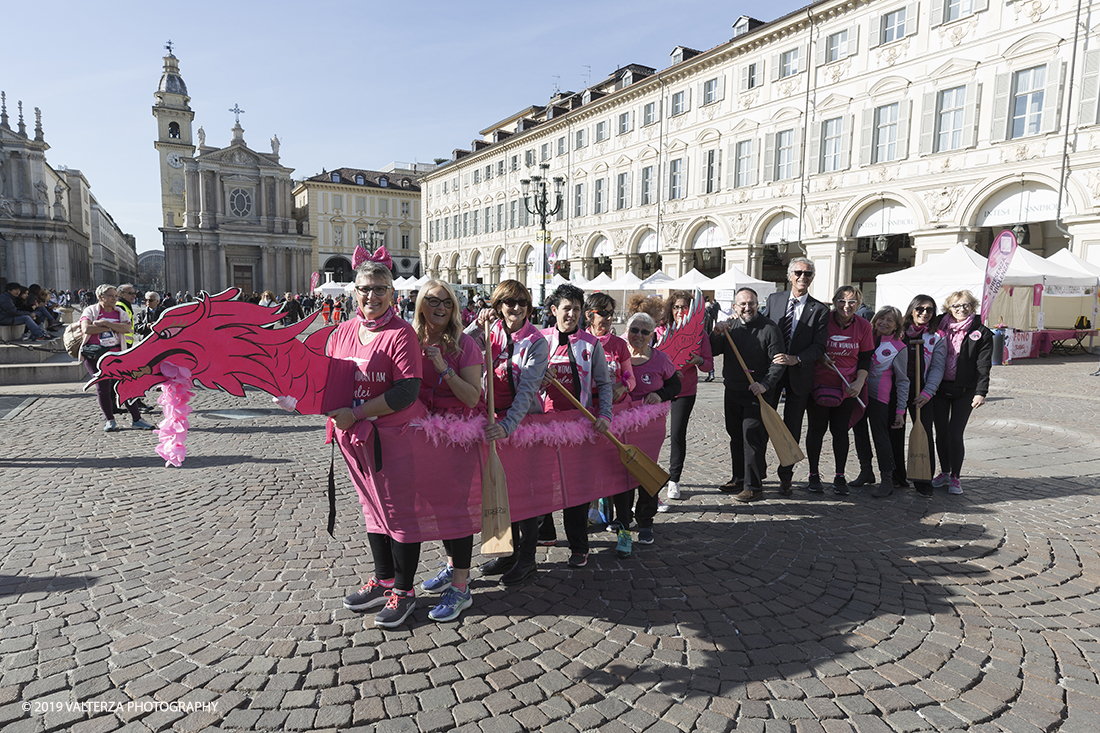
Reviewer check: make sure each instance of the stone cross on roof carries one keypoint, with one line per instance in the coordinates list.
(236, 110)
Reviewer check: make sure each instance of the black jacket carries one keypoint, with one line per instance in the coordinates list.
(974, 364)
(810, 336)
(758, 341)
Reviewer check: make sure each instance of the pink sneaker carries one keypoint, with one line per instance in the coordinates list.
(940, 481)
(955, 487)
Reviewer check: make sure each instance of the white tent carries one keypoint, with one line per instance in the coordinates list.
(726, 284)
(601, 282)
(629, 281)
(333, 288)
(959, 268)
(1067, 259)
(404, 283)
(657, 281)
(690, 280)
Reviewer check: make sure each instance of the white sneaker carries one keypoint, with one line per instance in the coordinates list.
(662, 507)
(110, 427)
(673, 490)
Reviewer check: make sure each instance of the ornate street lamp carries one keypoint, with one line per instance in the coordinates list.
(540, 205)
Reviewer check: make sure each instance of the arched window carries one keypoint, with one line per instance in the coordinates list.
(174, 130)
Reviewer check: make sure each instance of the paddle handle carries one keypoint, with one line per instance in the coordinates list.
(916, 377)
(748, 374)
(584, 411)
(847, 384)
(489, 377)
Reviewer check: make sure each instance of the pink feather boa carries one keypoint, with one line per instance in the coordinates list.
(569, 430)
(174, 398)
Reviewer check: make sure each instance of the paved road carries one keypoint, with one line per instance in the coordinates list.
(209, 597)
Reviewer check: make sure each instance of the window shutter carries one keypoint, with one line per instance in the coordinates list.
(911, 11)
(874, 32)
(928, 123)
(754, 161)
(819, 53)
(721, 87)
(1090, 88)
(936, 17)
(1002, 92)
(970, 114)
(731, 165)
(773, 75)
(760, 72)
(813, 160)
(702, 97)
(584, 199)
(853, 41)
(630, 120)
(744, 77)
(685, 177)
(769, 157)
(846, 142)
(904, 109)
(796, 153)
(1052, 97)
(703, 172)
(629, 188)
(803, 58)
(687, 99)
(718, 169)
(867, 137)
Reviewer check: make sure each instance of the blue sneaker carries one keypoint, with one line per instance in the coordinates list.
(452, 604)
(622, 548)
(440, 582)
(645, 536)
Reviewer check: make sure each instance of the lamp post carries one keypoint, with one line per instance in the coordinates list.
(539, 204)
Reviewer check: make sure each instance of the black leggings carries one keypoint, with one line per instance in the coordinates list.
(105, 393)
(950, 415)
(835, 420)
(625, 511)
(393, 559)
(461, 551)
(681, 412)
(878, 419)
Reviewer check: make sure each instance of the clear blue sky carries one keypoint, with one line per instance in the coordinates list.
(357, 84)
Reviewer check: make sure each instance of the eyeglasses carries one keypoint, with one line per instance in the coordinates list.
(924, 309)
(961, 307)
(802, 273)
(604, 314)
(152, 300)
(635, 330)
(513, 302)
(436, 302)
(378, 290)
(849, 303)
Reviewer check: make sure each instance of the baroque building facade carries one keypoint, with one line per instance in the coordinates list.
(227, 211)
(869, 135)
(346, 207)
(53, 231)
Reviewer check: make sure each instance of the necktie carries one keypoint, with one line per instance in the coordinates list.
(786, 323)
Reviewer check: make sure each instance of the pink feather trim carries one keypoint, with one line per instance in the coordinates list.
(569, 430)
(175, 395)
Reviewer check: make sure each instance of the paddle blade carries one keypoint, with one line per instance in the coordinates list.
(496, 520)
(919, 465)
(649, 475)
(786, 447)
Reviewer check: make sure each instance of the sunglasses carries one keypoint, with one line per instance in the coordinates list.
(924, 309)
(605, 314)
(513, 302)
(378, 290)
(436, 302)
(643, 331)
(802, 273)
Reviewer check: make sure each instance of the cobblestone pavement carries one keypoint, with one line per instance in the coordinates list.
(209, 597)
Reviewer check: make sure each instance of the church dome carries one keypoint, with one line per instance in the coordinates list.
(170, 81)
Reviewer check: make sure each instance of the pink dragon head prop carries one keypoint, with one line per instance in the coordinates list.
(226, 344)
(684, 337)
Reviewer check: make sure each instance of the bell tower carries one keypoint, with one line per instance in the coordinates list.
(174, 117)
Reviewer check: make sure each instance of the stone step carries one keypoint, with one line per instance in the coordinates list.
(29, 352)
(57, 368)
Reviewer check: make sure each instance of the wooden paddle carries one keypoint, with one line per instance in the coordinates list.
(496, 516)
(786, 447)
(919, 467)
(649, 475)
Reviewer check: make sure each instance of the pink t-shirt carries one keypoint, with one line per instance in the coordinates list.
(114, 340)
(392, 355)
(652, 375)
(435, 389)
(843, 346)
(619, 370)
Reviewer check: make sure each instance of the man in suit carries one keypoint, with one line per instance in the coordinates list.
(802, 320)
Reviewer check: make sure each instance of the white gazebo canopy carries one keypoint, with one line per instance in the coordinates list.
(656, 281)
(734, 278)
(629, 281)
(690, 280)
(600, 282)
(1067, 259)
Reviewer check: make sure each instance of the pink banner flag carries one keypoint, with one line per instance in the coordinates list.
(314, 281)
(996, 267)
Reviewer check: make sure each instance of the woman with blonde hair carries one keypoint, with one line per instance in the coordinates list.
(888, 376)
(969, 359)
(451, 383)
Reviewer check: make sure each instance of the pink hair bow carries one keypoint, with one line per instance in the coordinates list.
(361, 255)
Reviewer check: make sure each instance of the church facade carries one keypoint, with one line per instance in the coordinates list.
(227, 211)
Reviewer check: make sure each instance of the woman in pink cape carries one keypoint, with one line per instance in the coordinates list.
(452, 365)
(387, 380)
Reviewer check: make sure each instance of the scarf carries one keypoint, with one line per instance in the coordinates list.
(378, 323)
(954, 332)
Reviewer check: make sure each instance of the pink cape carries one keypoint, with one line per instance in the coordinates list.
(429, 483)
